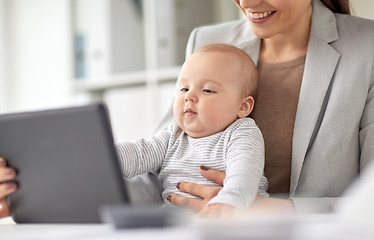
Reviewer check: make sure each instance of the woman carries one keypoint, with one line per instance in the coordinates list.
(315, 104)
(6, 173)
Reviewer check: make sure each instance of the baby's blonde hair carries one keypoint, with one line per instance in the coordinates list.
(248, 75)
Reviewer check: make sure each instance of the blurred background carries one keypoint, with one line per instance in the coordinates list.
(127, 53)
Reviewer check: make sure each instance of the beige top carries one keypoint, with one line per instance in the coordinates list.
(274, 113)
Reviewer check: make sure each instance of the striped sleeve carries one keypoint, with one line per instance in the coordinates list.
(245, 165)
(143, 155)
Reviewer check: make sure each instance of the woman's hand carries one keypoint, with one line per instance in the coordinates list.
(204, 192)
(261, 205)
(217, 210)
(271, 206)
(6, 188)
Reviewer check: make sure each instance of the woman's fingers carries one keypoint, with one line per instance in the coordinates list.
(195, 204)
(7, 174)
(204, 192)
(7, 188)
(213, 175)
(4, 211)
(2, 162)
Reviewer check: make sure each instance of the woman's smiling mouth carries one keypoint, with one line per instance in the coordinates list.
(256, 16)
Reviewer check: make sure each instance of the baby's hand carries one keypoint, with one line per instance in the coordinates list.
(217, 210)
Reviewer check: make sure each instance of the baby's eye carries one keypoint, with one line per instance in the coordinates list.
(209, 91)
(184, 89)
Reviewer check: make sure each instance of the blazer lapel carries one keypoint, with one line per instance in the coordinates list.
(248, 41)
(320, 64)
(252, 48)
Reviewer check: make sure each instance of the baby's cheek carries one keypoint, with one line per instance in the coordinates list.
(217, 122)
(178, 104)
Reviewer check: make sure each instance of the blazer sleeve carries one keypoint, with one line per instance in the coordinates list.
(366, 134)
(366, 141)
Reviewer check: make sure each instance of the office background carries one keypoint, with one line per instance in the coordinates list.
(57, 53)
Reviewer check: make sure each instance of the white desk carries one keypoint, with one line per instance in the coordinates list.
(88, 231)
(306, 228)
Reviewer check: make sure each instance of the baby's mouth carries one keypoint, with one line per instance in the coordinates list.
(189, 111)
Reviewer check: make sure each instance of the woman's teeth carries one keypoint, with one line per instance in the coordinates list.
(260, 15)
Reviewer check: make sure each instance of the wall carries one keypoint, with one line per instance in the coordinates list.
(38, 44)
(36, 60)
(363, 8)
(3, 56)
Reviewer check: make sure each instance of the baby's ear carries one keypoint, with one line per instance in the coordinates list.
(246, 106)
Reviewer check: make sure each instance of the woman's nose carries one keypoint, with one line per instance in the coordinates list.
(248, 3)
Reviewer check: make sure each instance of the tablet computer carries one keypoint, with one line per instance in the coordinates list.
(66, 163)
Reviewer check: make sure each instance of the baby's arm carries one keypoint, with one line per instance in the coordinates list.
(143, 155)
(245, 164)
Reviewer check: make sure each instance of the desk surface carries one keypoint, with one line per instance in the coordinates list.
(306, 228)
(88, 231)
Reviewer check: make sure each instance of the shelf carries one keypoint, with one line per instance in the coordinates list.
(129, 55)
(124, 80)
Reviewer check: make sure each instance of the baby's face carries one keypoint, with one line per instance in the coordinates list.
(209, 95)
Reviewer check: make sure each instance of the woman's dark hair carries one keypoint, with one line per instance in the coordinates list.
(338, 6)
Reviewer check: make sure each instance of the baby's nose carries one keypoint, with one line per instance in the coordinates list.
(190, 97)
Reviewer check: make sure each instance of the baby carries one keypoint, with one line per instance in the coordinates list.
(217, 85)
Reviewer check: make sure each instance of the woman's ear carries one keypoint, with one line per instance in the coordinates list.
(246, 106)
